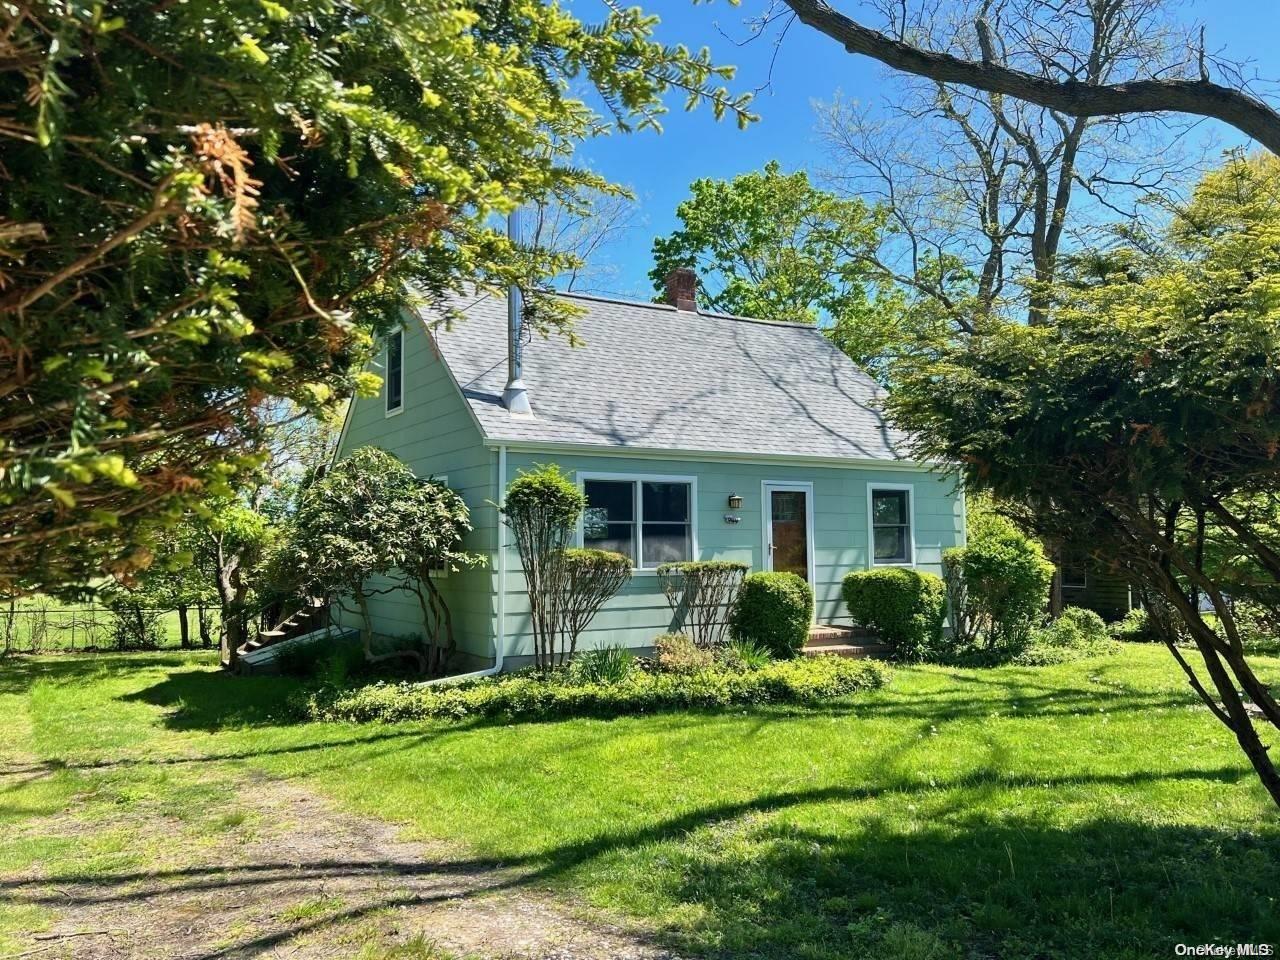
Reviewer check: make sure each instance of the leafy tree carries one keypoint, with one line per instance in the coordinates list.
(433, 521)
(701, 594)
(229, 541)
(771, 245)
(1144, 422)
(590, 578)
(369, 516)
(215, 205)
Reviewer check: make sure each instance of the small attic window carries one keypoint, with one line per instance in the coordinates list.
(395, 372)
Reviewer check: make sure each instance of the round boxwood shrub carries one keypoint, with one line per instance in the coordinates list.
(906, 607)
(774, 611)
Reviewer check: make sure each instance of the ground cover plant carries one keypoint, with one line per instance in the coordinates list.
(605, 685)
(1009, 811)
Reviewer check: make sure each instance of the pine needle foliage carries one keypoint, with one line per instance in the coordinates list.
(207, 206)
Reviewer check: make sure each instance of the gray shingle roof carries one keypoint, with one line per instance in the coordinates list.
(649, 376)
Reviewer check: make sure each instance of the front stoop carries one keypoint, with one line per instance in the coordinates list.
(855, 642)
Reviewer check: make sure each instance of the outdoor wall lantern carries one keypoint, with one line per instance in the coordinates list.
(735, 502)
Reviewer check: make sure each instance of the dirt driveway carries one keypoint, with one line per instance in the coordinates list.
(309, 882)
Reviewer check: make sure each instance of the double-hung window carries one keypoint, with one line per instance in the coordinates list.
(891, 533)
(649, 519)
(395, 372)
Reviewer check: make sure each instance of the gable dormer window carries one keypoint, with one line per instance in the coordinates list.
(395, 372)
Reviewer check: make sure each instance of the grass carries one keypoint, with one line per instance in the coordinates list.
(42, 624)
(1083, 810)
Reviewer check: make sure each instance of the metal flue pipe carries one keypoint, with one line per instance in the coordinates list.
(515, 397)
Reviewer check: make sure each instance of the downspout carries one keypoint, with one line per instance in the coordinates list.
(500, 643)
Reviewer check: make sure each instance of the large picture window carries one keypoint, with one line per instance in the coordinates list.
(649, 520)
(891, 534)
(395, 372)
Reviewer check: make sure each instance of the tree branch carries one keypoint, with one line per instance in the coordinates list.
(1199, 97)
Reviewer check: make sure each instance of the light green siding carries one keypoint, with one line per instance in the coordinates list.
(841, 539)
(436, 436)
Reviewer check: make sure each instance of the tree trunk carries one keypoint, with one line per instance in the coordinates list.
(231, 594)
(202, 624)
(184, 628)
(366, 638)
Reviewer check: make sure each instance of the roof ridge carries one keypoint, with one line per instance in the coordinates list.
(714, 314)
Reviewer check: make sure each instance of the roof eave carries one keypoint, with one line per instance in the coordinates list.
(726, 456)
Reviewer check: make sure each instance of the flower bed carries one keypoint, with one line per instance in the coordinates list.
(560, 694)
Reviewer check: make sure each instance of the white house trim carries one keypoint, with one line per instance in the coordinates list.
(386, 374)
(582, 476)
(872, 487)
(766, 523)
(715, 456)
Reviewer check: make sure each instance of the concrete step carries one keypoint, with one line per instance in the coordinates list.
(856, 651)
(837, 633)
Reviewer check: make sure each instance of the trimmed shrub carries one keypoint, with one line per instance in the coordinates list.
(773, 610)
(533, 695)
(1076, 635)
(566, 587)
(588, 579)
(906, 607)
(701, 594)
(1136, 627)
(606, 665)
(997, 585)
(677, 653)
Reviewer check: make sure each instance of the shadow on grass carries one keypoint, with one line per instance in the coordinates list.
(760, 880)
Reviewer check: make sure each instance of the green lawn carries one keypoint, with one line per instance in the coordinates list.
(1088, 810)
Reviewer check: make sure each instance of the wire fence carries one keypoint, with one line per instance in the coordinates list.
(38, 627)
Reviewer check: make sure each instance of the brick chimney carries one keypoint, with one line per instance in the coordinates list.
(682, 289)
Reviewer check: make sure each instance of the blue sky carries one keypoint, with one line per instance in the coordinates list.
(808, 67)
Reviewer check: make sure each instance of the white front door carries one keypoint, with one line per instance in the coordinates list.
(788, 528)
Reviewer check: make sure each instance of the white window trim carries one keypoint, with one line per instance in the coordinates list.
(386, 376)
(871, 529)
(766, 523)
(1065, 584)
(582, 476)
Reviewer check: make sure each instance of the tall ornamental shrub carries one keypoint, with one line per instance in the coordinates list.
(997, 584)
(906, 607)
(773, 610)
(701, 594)
(566, 587)
(590, 577)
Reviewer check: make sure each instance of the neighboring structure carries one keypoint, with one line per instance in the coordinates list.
(694, 436)
(1087, 583)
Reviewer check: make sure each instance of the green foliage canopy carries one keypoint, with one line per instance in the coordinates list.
(214, 205)
(771, 245)
(1145, 421)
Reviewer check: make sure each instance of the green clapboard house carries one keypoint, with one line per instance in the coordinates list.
(694, 436)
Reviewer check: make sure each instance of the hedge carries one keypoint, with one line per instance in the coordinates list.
(906, 607)
(774, 611)
(542, 696)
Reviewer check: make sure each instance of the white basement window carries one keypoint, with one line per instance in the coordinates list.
(649, 519)
(395, 372)
(890, 517)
